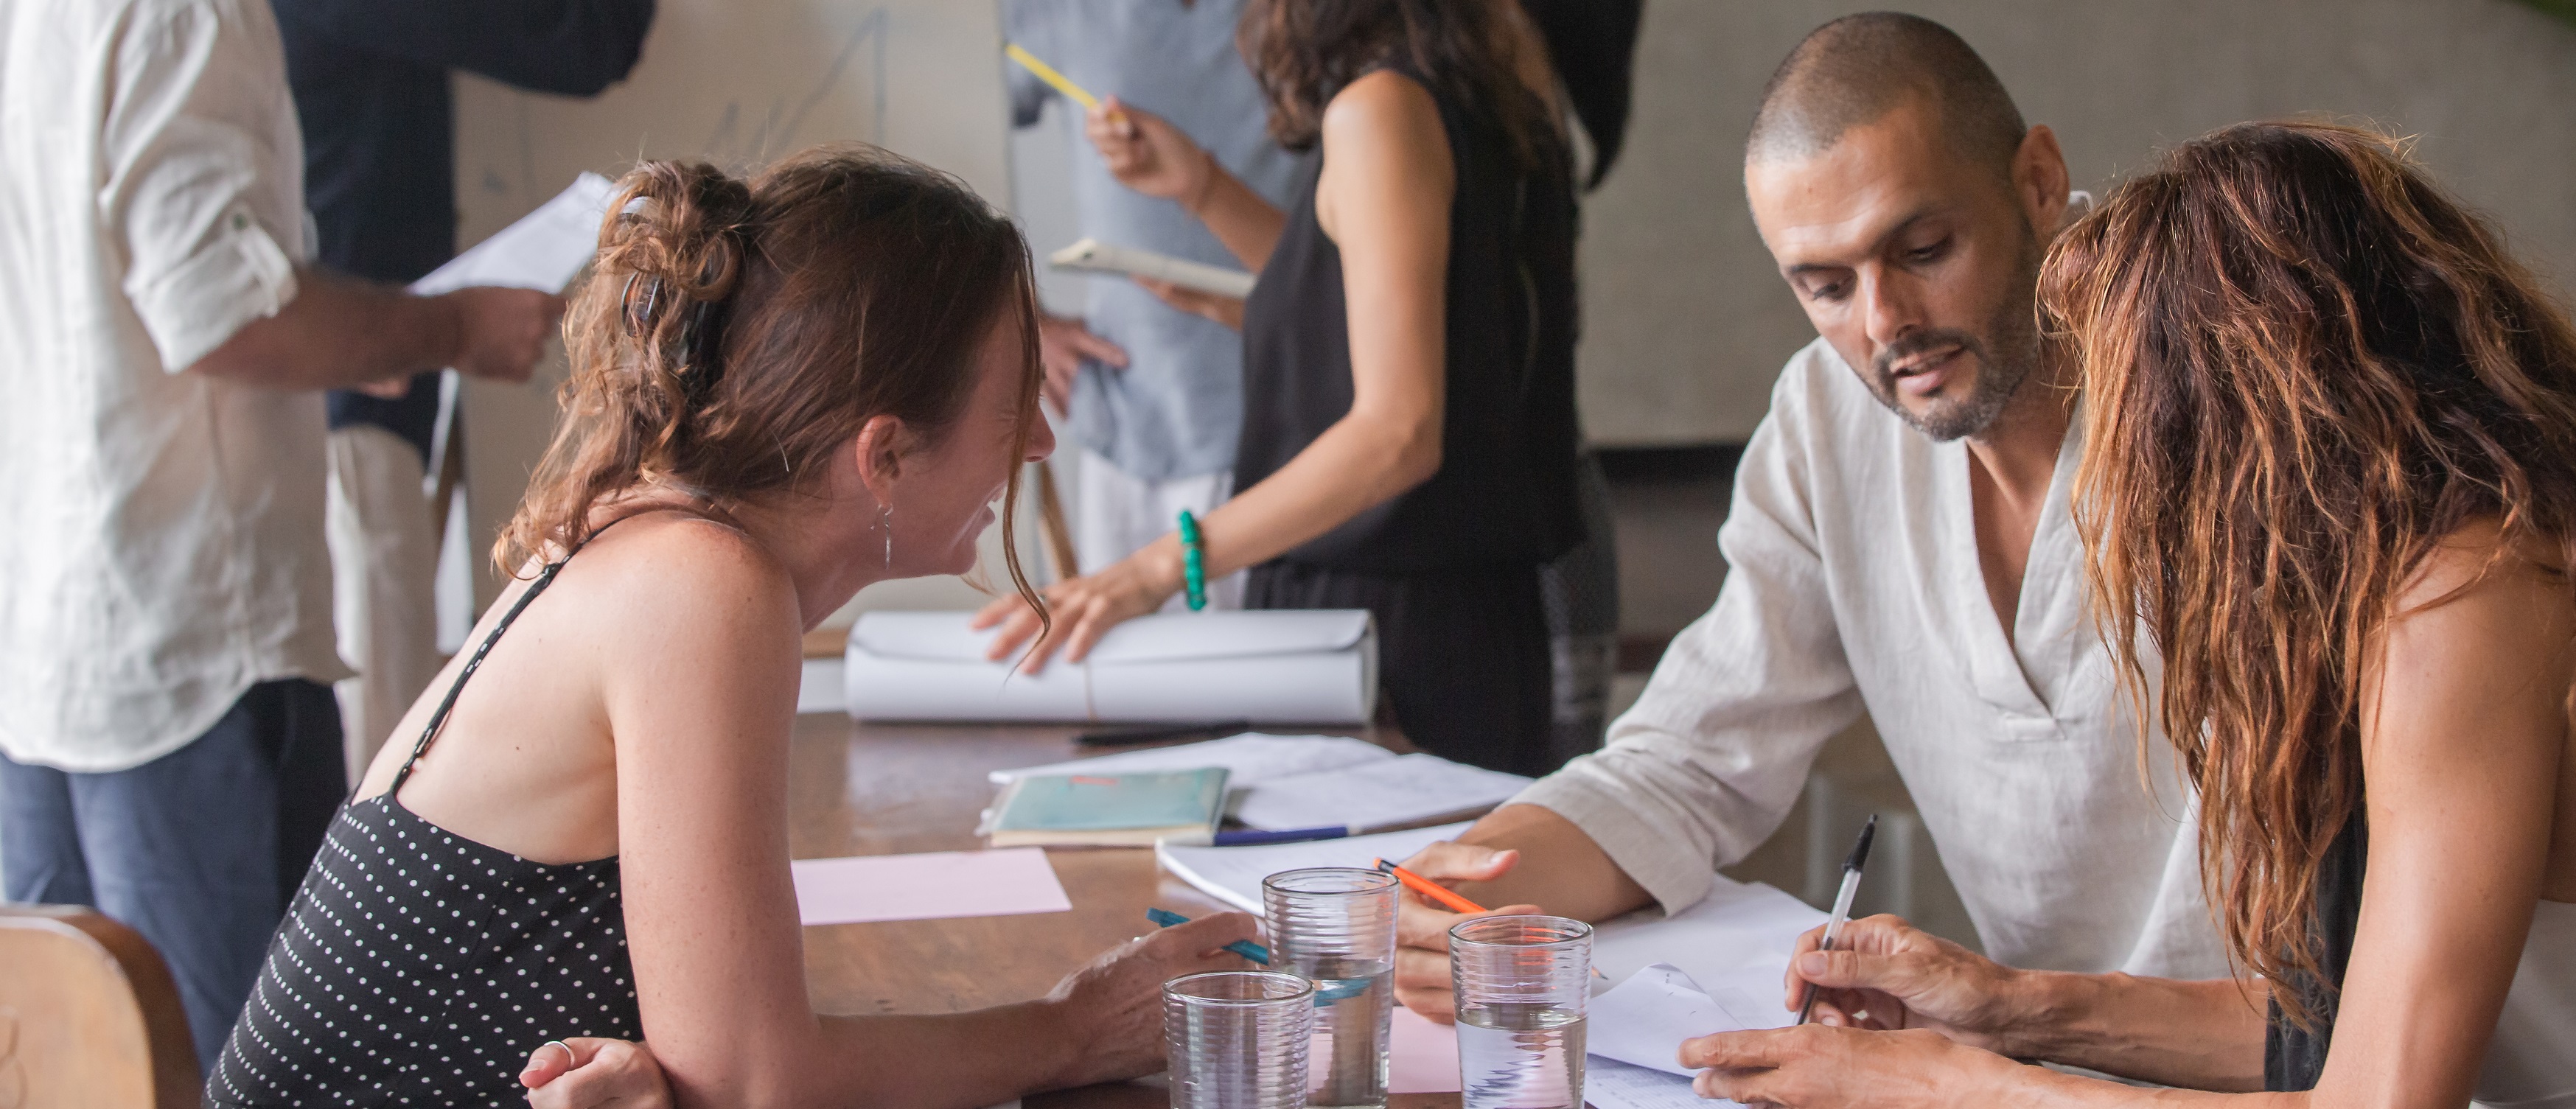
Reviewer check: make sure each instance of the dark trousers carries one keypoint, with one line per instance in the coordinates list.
(199, 850)
(1462, 655)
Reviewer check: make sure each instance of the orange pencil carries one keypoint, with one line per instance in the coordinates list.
(1428, 888)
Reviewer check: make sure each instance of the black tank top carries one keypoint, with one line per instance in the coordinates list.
(2293, 1057)
(418, 967)
(1505, 489)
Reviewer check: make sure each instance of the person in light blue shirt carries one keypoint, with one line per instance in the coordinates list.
(1155, 394)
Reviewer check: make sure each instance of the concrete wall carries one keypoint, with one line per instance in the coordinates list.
(1687, 324)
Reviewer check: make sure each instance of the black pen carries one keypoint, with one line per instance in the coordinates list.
(1842, 904)
(1126, 736)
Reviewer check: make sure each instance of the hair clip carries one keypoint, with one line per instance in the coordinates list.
(638, 322)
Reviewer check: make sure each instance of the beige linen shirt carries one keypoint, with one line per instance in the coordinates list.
(162, 549)
(1854, 585)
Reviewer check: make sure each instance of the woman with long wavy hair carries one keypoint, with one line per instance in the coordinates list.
(2329, 489)
(1408, 441)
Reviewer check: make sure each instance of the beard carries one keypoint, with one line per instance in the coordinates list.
(2005, 354)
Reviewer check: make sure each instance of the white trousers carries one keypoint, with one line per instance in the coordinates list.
(1115, 514)
(384, 560)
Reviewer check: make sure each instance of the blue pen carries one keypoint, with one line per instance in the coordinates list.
(1287, 835)
(1326, 992)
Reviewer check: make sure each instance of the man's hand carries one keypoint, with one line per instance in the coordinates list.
(1146, 153)
(1888, 974)
(586, 1073)
(500, 333)
(1422, 927)
(1222, 309)
(1063, 342)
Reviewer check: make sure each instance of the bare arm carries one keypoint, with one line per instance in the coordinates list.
(1385, 200)
(1146, 153)
(341, 333)
(2463, 733)
(701, 722)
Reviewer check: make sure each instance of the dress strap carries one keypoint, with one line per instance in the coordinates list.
(544, 578)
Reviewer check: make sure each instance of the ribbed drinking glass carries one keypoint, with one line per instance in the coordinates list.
(1336, 926)
(1237, 1039)
(1521, 983)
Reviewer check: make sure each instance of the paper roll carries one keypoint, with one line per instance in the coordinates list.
(1270, 666)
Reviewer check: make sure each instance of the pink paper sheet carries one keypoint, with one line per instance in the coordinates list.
(927, 887)
(1422, 1057)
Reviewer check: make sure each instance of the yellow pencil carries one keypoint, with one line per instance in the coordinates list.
(1048, 74)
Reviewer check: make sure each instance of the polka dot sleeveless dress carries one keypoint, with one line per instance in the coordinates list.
(420, 968)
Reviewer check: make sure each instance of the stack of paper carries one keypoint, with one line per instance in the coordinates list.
(1315, 781)
(1233, 874)
(545, 249)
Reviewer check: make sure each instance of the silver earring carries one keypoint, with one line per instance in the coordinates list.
(885, 523)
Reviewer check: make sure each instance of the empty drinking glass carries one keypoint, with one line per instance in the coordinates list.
(1238, 1039)
(1521, 984)
(1336, 926)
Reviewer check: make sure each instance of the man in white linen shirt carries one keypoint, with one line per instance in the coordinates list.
(1900, 544)
(169, 745)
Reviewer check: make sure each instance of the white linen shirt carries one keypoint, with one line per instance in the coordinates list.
(163, 545)
(1854, 584)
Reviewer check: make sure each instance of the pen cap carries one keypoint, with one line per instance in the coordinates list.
(1860, 851)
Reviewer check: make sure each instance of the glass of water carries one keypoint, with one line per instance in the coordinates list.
(1237, 1039)
(1521, 982)
(1336, 926)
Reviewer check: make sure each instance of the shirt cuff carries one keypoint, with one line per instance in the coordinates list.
(239, 276)
(1666, 864)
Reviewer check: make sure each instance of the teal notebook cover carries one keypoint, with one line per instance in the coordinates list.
(1113, 802)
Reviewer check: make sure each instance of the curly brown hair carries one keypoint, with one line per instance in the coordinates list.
(733, 334)
(2303, 366)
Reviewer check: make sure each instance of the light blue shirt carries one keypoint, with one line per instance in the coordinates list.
(1176, 409)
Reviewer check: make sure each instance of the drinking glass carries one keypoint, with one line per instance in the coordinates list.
(1521, 983)
(1336, 926)
(1237, 1039)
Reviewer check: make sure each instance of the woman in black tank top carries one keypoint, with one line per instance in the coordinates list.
(1409, 431)
(587, 839)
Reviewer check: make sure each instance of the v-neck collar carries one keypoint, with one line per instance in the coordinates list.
(2049, 607)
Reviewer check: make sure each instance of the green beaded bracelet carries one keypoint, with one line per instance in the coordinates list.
(1193, 561)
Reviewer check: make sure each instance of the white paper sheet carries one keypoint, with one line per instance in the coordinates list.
(1094, 256)
(1309, 666)
(1249, 759)
(927, 886)
(1407, 790)
(1233, 874)
(1738, 924)
(1643, 1020)
(1610, 1084)
(545, 249)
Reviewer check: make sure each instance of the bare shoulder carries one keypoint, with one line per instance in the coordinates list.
(1384, 107)
(2486, 626)
(2478, 569)
(663, 573)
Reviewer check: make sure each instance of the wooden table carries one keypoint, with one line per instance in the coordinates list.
(873, 789)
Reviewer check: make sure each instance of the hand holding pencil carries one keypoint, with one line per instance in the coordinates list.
(1423, 920)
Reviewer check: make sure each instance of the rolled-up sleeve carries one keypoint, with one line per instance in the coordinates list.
(1715, 751)
(194, 95)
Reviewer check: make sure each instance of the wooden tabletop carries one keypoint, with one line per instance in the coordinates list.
(875, 789)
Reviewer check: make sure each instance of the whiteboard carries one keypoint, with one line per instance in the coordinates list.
(738, 83)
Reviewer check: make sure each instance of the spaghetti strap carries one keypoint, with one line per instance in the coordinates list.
(544, 578)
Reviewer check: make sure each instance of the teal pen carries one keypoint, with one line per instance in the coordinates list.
(1166, 918)
(1326, 992)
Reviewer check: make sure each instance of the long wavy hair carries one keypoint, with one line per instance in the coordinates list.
(1305, 52)
(735, 334)
(2303, 366)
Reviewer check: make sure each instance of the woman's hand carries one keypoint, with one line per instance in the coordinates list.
(1112, 1010)
(1146, 153)
(1822, 1067)
(1223, 309)
(585, 1073)
(1085, 608)
(1889, 975)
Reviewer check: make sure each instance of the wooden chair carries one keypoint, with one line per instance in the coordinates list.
(89, 1017)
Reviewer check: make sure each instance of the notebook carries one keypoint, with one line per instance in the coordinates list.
(1109, 810)
(1099, 257)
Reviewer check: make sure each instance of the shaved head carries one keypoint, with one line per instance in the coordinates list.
(1854, 70)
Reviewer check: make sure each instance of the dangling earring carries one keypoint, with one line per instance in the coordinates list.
(885, 523)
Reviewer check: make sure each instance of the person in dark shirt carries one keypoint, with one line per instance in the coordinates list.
(371, 90)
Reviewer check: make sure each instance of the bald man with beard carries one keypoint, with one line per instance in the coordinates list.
(1900, 544)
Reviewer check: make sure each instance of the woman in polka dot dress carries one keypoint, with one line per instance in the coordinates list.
(782, 391)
